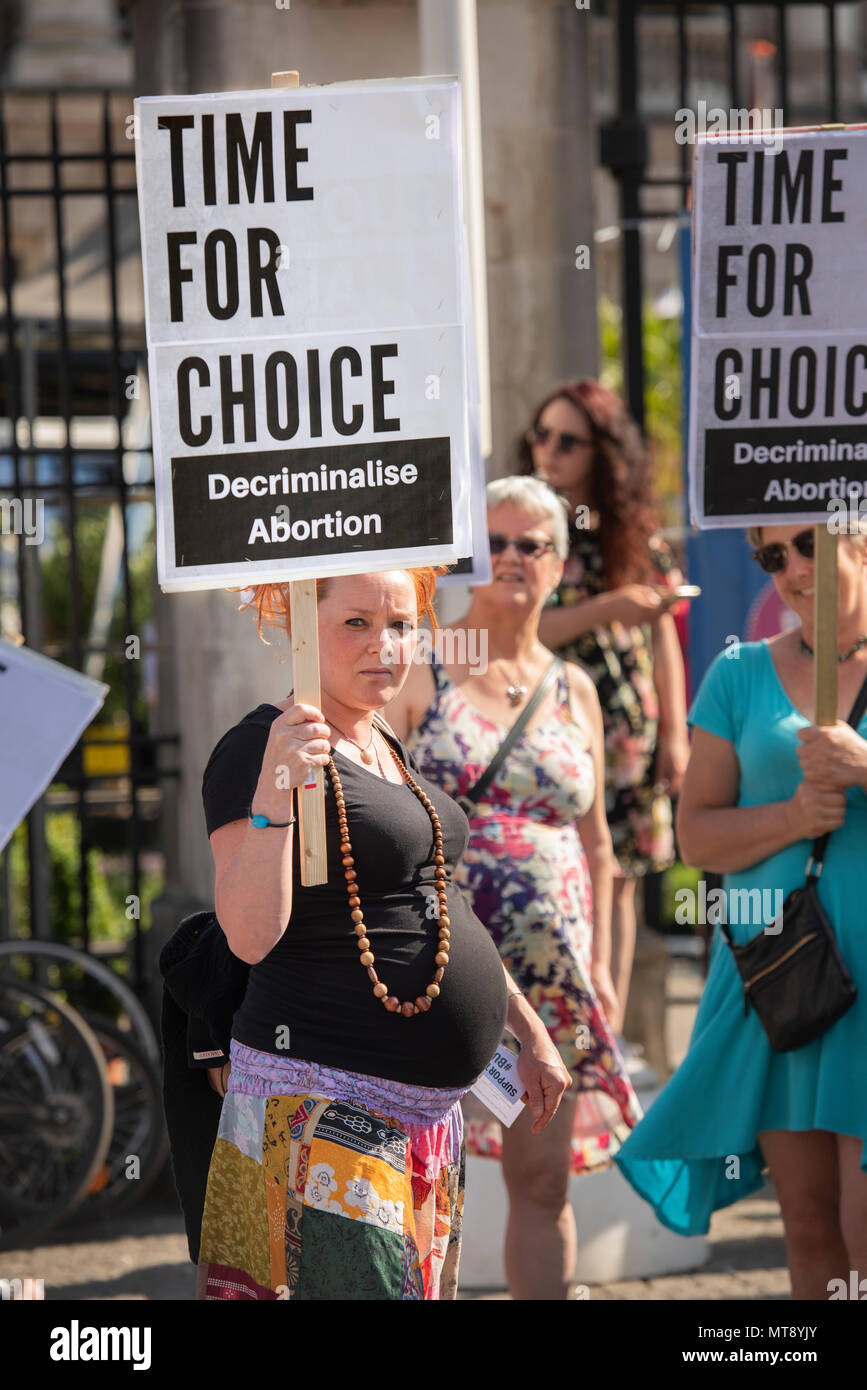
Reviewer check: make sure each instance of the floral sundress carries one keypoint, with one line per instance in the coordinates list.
(619, 660)
(525, 875)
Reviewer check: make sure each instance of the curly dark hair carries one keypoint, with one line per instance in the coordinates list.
(621, 487)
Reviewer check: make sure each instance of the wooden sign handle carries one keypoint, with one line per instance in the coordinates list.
(825, 628)
(305, 682)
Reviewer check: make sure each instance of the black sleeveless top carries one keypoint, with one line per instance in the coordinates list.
(311, 985)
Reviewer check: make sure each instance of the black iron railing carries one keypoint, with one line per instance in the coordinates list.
(73, 359)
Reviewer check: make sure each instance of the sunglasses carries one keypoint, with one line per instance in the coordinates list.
(774, 556)
(525, 545)
(563, 443)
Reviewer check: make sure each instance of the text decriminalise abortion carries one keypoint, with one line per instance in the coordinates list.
(324, 479)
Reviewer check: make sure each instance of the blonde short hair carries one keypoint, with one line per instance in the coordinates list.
(537, 499)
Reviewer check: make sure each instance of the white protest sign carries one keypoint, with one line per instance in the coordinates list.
(306, 330)
(44, 709)
(499, 1088)
(778, 409)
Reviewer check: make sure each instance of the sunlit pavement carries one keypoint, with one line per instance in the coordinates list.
(143, 1254)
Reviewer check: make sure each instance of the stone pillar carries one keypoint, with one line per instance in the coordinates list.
(538, 148)
(62, 45)
(538, 153)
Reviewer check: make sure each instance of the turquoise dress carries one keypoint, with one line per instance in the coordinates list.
(696, 1149)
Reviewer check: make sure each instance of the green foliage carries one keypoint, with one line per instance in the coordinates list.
(663, 395)
(679, 876)
(56, 571)
(106, 913)
(663, 402)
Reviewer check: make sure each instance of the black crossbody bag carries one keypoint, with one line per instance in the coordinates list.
(469, 800)
(797, 980)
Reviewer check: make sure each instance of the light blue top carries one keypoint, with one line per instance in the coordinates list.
(731, 1085)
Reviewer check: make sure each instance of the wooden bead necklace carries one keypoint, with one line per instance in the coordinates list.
(407, 1009)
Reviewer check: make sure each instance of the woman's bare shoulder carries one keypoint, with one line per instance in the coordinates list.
(585, 700)
(581, 683)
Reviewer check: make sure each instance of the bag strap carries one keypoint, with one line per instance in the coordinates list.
(477, 790)
(383, 724)
(814, 863)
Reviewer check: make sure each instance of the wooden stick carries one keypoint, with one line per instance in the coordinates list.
(305, 682)
(825, 628)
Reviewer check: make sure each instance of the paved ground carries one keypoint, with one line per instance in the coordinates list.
(747, 1261)
(143, 1255)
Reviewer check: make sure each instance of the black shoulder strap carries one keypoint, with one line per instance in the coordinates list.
(859, 706)
(814, 864)
(821, 844)
(475, 792)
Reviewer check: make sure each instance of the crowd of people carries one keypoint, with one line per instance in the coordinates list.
(481, 889)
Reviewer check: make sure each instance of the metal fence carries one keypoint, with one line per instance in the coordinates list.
(75, 442)
(724, 60)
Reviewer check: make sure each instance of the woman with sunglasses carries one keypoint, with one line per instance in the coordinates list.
(762, 782)
(611, 613)
(537, 869)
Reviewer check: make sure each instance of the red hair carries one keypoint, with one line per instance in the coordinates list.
(271, 601)
(620, 480)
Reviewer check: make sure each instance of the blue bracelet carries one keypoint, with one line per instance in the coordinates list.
(262, 822)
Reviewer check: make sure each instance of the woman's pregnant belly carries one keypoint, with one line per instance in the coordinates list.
(313, 983)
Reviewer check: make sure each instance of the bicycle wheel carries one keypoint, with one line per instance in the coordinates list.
(88, 984)
(139, 1128)
(56, 1111)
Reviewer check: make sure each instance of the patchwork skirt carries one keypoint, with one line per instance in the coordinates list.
(327, 1184)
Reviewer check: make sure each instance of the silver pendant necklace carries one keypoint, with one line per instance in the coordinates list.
(516, 691)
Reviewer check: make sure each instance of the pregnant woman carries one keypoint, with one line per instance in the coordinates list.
(337, 1172)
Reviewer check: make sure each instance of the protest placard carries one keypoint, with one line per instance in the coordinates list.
(778, 397)
(306, 330)
(778, 409)
(44, 708)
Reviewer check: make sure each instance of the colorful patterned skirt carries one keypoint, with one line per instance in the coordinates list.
(326, 1184)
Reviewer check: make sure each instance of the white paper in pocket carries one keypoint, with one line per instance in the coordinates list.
(499, 1088)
